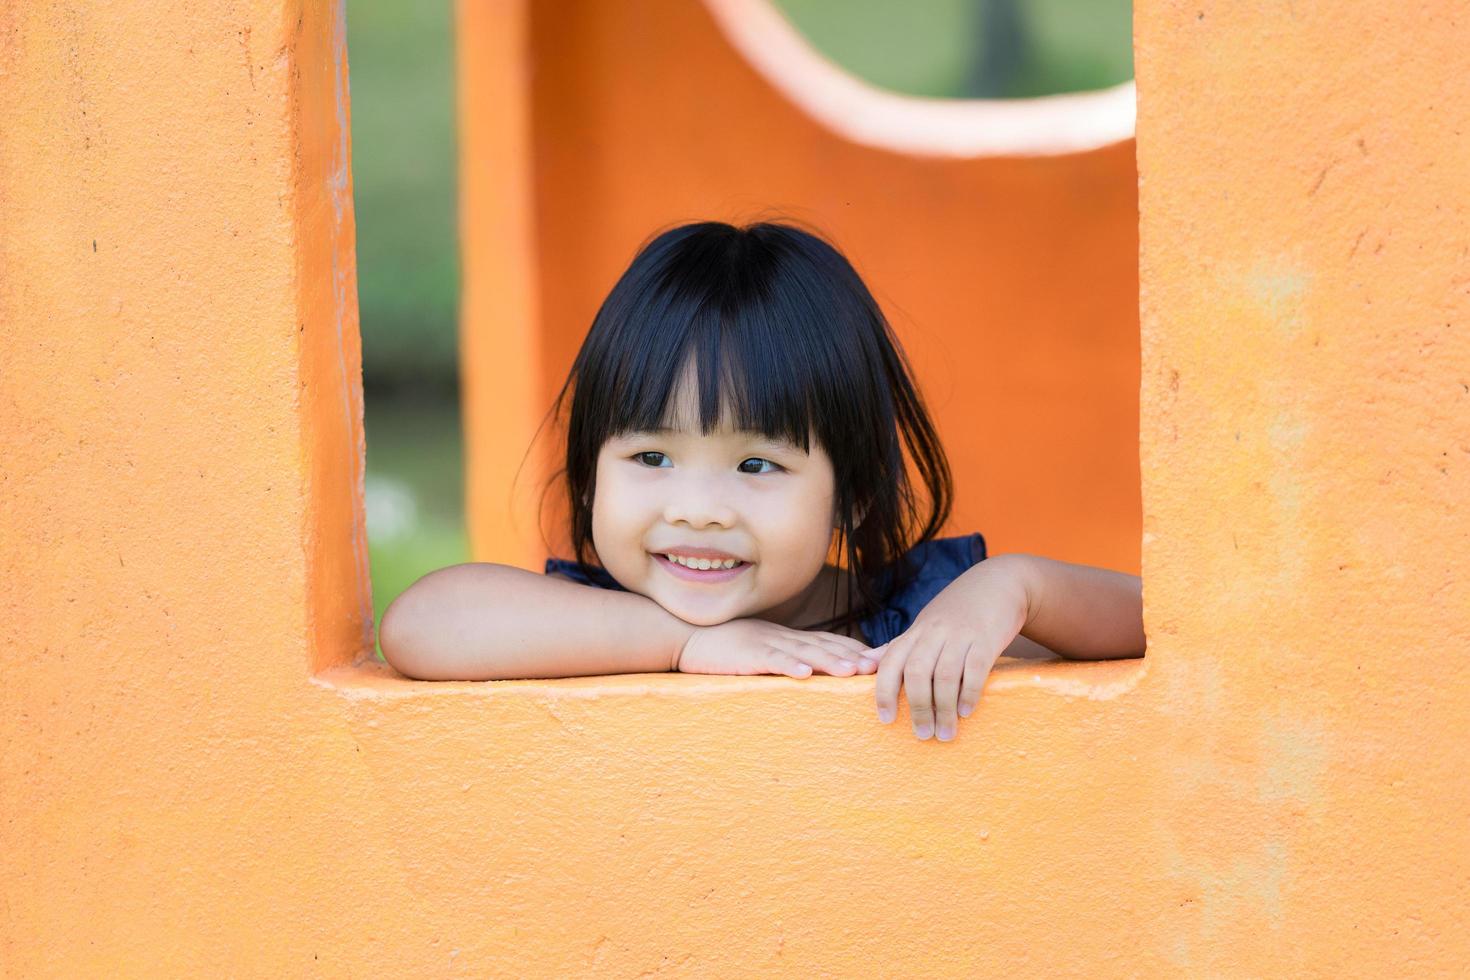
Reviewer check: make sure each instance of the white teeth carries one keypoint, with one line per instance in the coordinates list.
(703, 564)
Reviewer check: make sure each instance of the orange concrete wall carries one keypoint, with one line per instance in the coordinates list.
(1276, 790)
(180, 490)
(1306, 459)
(1011, 280)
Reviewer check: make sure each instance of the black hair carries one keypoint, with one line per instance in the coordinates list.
(781, 327)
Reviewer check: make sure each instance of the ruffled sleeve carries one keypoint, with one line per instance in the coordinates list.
(938, 563)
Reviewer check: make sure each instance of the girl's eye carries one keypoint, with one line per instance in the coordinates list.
(658, 460)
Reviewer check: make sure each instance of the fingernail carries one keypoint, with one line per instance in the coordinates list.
(945, 733)
(923, 731)
(965, 710)
(885, 715)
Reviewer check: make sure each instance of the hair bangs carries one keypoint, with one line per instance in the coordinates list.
(730, 347)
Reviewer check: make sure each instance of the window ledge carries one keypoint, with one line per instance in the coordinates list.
(1094, 680)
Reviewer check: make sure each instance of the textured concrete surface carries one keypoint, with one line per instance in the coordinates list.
(196, 780)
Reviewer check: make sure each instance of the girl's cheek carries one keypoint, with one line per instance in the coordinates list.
(794, 548)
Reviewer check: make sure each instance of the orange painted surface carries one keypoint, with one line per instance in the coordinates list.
(339, 598)
(1011, 281)
(1277, 790)
(1306, 460)
(502, 402)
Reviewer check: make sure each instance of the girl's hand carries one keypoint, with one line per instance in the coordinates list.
(755, 646)
(942, 660)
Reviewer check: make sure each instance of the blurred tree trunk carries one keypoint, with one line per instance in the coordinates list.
(1000, 51)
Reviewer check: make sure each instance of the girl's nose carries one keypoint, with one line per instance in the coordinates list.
(695, 505)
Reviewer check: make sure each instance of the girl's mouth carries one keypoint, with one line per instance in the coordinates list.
(707, 575)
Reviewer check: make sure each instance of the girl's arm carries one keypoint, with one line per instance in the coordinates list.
(1080, 612)
(481, 621)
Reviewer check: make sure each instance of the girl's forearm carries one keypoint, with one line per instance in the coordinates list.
(1078, 611)
(482, 621)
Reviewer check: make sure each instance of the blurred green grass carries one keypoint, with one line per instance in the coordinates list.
(403, 159)
(415, 498)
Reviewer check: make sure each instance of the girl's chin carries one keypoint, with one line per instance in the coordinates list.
(696, 616)
(698, 620)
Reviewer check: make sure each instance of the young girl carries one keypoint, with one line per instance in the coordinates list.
(738, 403)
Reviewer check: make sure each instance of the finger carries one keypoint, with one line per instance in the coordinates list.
(852, 643)
(977, 669)
(890, 678)
(820, 656)
(784, 663)
(853, 649)
(868, 658)
(918, 682)
(949, 670)
(840, 649)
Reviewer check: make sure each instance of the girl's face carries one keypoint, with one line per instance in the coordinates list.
(736, 493)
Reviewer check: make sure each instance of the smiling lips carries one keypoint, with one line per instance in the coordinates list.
(703, 562)
(692, 555)
(712, 567)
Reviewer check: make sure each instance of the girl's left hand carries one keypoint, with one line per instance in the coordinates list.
(942, 660)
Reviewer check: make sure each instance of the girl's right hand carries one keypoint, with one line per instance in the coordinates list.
(756, 646)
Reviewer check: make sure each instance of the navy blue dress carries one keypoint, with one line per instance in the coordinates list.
(937, 563)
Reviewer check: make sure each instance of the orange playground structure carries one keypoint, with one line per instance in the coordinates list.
(1257, 395)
